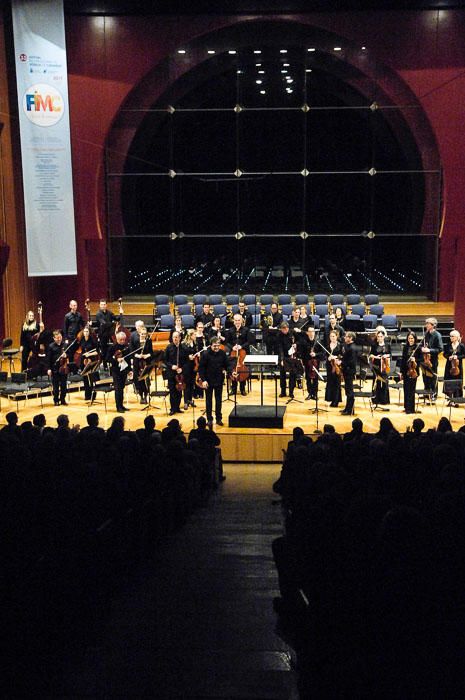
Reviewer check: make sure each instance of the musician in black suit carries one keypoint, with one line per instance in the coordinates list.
(245, 315)
(272, 323)
(213, 364)
(432, 346)
(311, 354)
(287, 360)
(238, 338)
(349, 368)
(120, 368)
(73, 322)
(104, 318)
(176, 357)
(57, 367)
(206, 317)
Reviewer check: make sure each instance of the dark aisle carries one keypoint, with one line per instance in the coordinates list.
(198, 623)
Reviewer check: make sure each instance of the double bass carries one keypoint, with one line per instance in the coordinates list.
(38, 344)
(119, 327)
(179, 377)
(79, 350)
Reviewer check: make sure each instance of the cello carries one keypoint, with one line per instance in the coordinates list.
(240, 372)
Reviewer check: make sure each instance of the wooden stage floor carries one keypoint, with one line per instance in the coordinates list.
(241, 444)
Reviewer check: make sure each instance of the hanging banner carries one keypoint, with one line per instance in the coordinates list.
(42, 83)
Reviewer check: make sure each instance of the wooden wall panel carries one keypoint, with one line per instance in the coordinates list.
(17, 288)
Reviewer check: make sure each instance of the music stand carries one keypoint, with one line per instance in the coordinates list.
(147, 374)
(90, 370)
(318, 410)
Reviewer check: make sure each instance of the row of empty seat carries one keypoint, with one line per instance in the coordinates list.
(230, 299)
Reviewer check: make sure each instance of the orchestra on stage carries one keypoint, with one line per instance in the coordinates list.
(197, 362)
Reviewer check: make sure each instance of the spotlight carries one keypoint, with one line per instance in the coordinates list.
(181, 51)
(282, 50)
(337, 48)
(257, 51)
(311, 50)
(262, 92)
(232, 51)
(210, 51)
(259, 82)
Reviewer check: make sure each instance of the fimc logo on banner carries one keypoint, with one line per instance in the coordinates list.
(43, 105)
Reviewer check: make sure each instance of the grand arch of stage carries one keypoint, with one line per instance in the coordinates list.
(227, 165)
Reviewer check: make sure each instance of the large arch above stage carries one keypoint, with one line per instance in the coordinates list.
(355, 68)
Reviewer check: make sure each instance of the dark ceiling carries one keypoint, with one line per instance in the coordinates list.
(173, 7)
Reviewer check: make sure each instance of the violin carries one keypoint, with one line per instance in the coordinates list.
(454, 367)
(312, 364)
(335, 364)
(412, 370)
(385, 364)
(63, 364)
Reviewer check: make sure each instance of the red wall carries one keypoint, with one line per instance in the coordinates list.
(107, 58)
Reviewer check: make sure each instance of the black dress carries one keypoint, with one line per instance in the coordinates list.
(459, 351)
(381, 385)
(410, 353)
(333, 379)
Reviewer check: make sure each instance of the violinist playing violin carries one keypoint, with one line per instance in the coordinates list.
(120, 369)
(410, 369)
(333, 369)
(176, 358)
(380, 356)
(310, 353)
(214, 363)
(454, 353)
(141, 362)
(57, 367)
(86, 355)
(238, 338)
(431, 347)
(73, 322)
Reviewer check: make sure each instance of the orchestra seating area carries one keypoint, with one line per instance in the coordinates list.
(354, 307)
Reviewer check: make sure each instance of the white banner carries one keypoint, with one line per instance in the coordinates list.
(42, 82)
